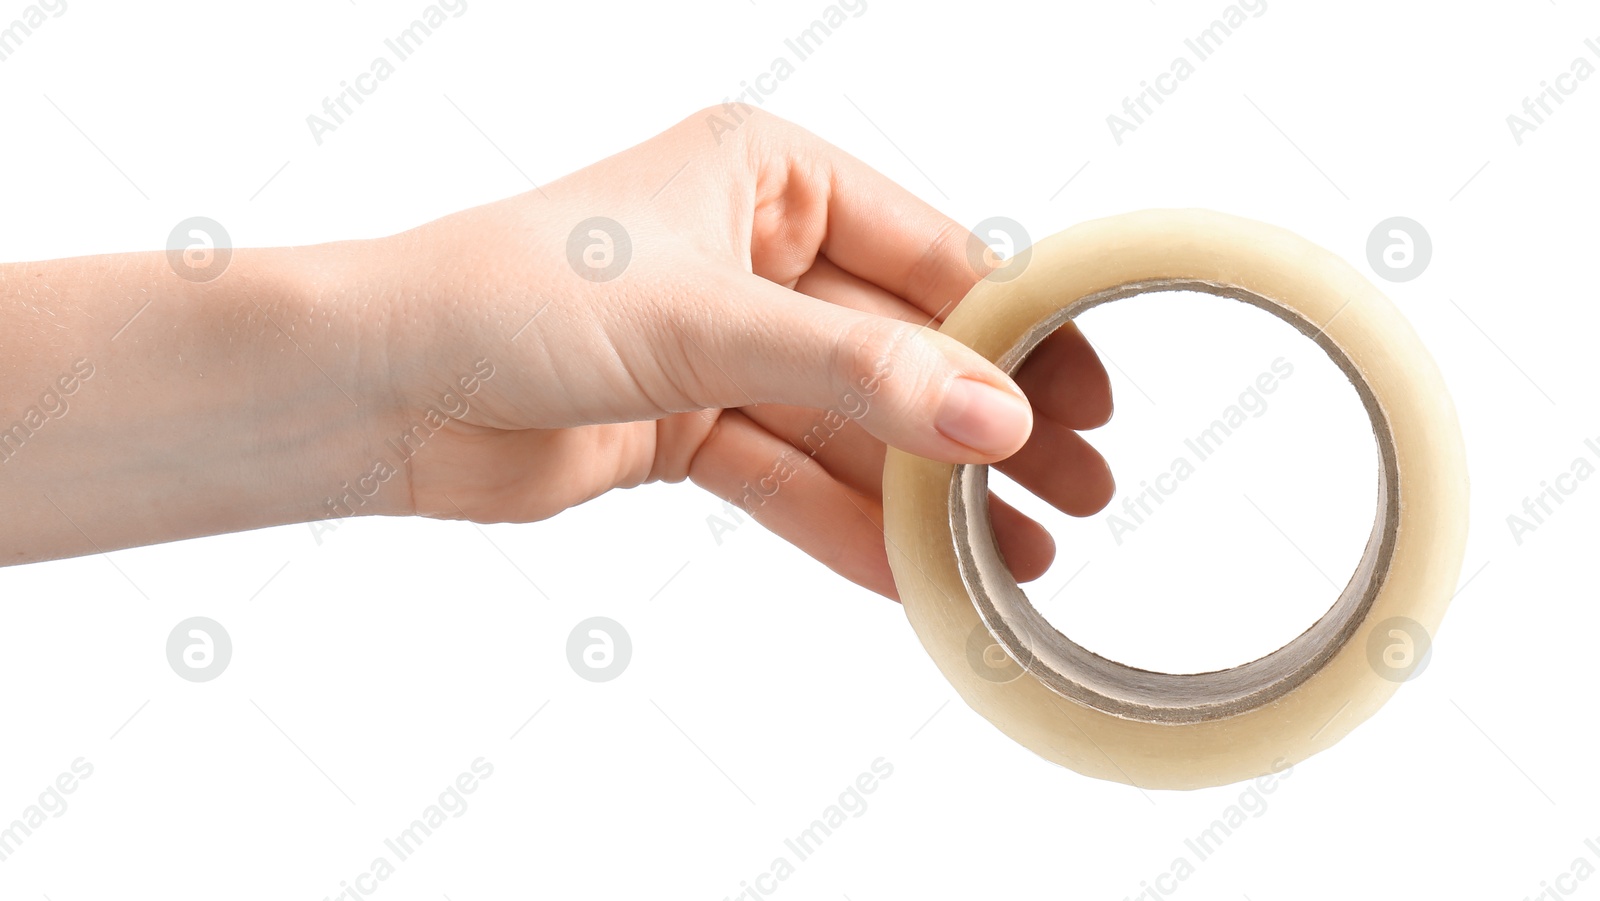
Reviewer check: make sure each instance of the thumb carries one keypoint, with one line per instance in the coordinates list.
(908, 385)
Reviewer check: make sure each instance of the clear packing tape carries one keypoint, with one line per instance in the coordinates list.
(1162, 730)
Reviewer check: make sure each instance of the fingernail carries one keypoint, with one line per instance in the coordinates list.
(983, 417)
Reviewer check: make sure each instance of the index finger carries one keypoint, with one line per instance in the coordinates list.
(873, 228)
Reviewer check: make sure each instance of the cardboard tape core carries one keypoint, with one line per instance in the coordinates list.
(1104, 684)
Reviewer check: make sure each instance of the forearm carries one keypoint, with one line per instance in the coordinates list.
(138, 407)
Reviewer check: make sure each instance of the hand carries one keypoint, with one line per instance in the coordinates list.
(771, 330)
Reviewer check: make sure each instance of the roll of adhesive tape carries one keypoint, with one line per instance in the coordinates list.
(1163, 730)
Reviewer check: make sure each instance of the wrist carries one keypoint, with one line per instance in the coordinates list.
(334, 346)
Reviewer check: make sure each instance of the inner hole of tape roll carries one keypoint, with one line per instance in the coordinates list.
(1078, 673)
(1246, 474)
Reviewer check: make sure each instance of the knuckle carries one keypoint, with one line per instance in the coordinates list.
(942, 264)
(871, 348)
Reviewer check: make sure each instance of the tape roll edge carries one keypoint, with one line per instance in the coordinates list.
(1196, 244)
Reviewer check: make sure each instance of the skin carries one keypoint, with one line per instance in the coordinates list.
(772, 279)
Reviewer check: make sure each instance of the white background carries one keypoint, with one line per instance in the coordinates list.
(372, 668)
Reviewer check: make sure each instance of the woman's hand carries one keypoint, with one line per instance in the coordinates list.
(750, 309)
(736, 303)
